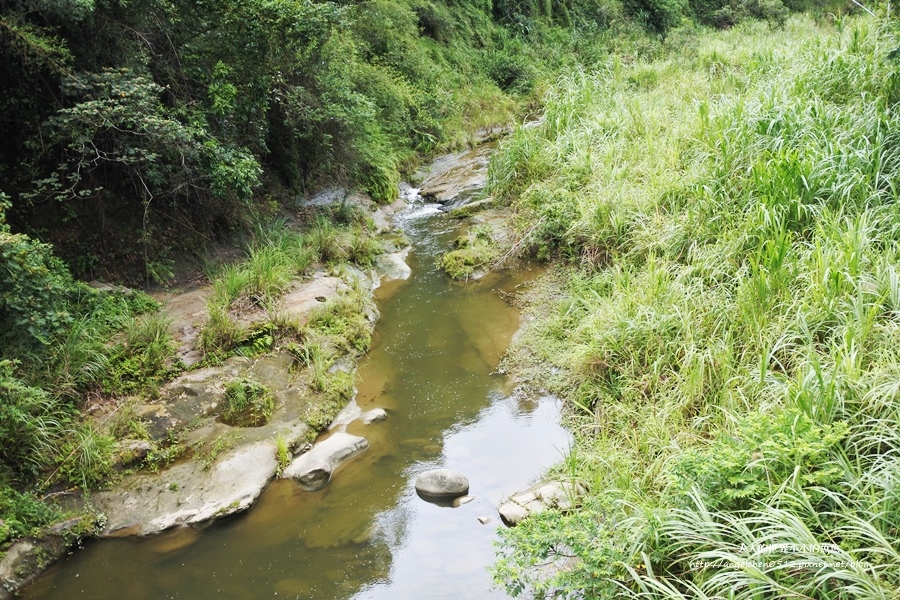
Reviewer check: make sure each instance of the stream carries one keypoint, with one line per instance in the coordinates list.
(367, 535)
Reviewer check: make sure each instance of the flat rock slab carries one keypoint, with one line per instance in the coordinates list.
(538, 498)
(188, 494)
(314, 469)
(310, 295)
(187, 311)
(455, 177)
(442, 483)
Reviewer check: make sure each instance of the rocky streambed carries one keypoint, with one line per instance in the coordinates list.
(429, 397)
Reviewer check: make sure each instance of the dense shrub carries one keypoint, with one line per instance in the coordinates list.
(34, 290)
(656, 15)
(766, 452)
(725, 13)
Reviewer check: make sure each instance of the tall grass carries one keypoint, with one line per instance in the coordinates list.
(279, 255)
(727, 331)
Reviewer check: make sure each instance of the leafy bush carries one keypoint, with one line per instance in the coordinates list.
(766, 452)
(657, 15)
(511, 69)
(570, 555)
(23, 515)
(35, 288)
(248, 403)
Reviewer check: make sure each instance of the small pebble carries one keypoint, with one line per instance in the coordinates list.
(462, 500)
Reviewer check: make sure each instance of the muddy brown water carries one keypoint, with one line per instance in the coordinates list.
(367, 535)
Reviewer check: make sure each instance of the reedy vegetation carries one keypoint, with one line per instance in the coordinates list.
(728, 331)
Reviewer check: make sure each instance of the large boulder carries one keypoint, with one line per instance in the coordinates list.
(442, 483)
(313, 470)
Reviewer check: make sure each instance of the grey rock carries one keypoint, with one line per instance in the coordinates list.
(376, 415)
(348, 414)
(538, 498)
(130, 452)
(188, 493)
(512, 513)
(382, 217)
(314, 469)
(393, 266)
(484, 520)
(442, 483)
(327, 197)
(301, 301)
(456, 177)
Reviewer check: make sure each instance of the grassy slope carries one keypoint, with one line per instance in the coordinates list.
(727, 331)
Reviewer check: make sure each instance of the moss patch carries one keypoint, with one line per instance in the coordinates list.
(473, 251)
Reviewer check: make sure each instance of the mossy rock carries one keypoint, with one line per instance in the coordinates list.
(476, 250)
(467, 210)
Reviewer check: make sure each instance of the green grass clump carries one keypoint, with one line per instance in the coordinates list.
(144, 359)
(342, 323)
(248, 403)
(87, 456)
(337, 390)
(221, 333)
(724, 326)
(283, 454)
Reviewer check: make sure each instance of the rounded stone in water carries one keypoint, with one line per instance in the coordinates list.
(442, 483)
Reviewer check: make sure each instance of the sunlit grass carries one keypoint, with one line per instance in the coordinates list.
(728, 215)
(278, 256)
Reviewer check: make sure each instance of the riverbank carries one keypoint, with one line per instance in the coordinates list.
(219, 468)
(724, 322)
(432, 368)
(180, 459)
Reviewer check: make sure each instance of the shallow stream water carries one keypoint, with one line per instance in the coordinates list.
(367, 535)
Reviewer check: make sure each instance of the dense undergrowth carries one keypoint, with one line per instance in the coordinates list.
(708, 184)
(727, 327)
(135, 130)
